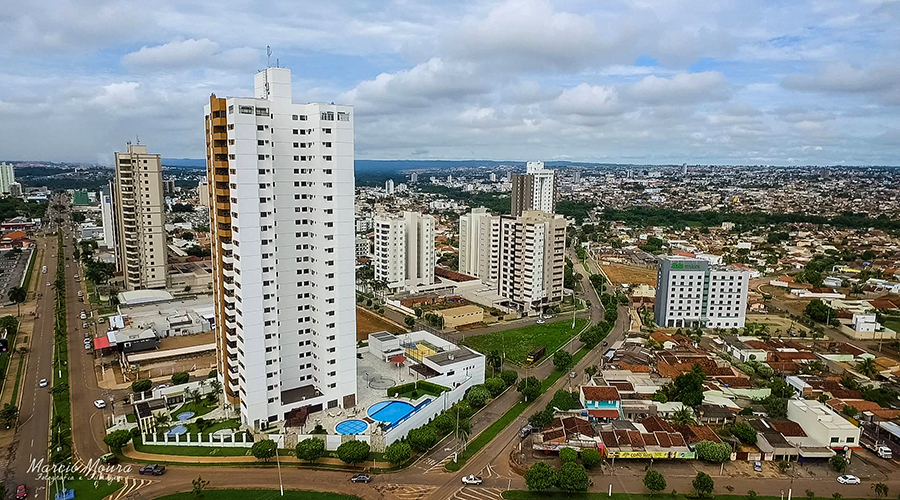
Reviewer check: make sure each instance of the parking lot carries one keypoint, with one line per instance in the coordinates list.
(12, 267)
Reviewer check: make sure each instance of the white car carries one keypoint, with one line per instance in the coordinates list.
(42, 383)
(540, 322)
(848, 479)
(100, 404)
(472, 479)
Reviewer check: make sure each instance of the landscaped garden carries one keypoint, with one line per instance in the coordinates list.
(518, 342)
(259, 495)
(198, 408)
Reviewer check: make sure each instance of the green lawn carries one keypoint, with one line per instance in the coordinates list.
(893, 324)
(520, 341)
(225, 424)
(191, 451)
(542, 495)
(199, 409)
(15, 393)
(87, 489)
(260, 495)
(5, 357)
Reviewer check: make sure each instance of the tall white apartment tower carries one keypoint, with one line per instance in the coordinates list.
(7, 177)
(534, 190)
(404, 250)
(140, 218)
(479, 244)
(692, 293)
(281, 176)
(389, 186)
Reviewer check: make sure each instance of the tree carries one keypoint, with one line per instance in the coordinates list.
(353, 452)
(683, 416)
(215, 389)
(703, 484)
(849, 411)
(180, 378)
(541, 419)
(509, 376)
(562, 360)
(10, 324)
(530, 388)
(494, 360)
(654, 481)
(712, 452)
(567, 455)
(591, 458)
(9, 414)
(495, 385)
(478, 396)
(881, 489)
(818, 311)
(572, 477)
(263, 450)
(310, 449)
(398, 452)
(198, 487)
(410, 321)
(117, 439)
(867, 367)
(744, 432)
(421, 439)
(688, 387)
(141, 385)
(17, 295)
(838, 463)
(540, 477)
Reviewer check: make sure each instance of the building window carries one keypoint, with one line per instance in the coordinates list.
(327, 115)
(246, 110)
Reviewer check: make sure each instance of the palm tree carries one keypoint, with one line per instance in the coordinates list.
(683, 416)
(494, 360)
(867, 367)
(18, 295)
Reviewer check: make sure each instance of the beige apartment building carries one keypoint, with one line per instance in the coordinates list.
(140, 218)
(532, 259)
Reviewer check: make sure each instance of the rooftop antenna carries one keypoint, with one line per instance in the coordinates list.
(268, 56)
(137, 139)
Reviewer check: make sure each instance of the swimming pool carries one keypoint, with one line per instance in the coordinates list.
(351, 426)
(177, 431)
(390, 411)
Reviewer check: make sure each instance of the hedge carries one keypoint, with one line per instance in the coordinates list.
(422, 386)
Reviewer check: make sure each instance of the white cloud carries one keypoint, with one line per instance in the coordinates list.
(588, 100)
(683, 88)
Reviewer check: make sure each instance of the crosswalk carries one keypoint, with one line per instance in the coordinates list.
(404, 492)
(477, 493)
(130, 485)
(432, 466)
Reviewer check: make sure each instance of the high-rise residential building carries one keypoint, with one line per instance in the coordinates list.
(693, 293)
(577, 177)
(168, 187)
(479, 244)
(493, 177)
(106, 215)
(534, 190)
(414, 177)
(7, 177)
(203, 192)
(389, 186)
(532, 259)
(404, 250)
(140, 218)
(283, 241)
(15, 189)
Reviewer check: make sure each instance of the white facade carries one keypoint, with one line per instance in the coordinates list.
(203, 192)
(106, 215)
(822, 424)
(691, 293)
(404, 250)
(389, 186)
(544, 197)
(865, 323)
(7, 177)
(479, 245)
(289, 266)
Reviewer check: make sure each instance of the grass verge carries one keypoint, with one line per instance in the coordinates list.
(518, 342)
(88, 489)
(15, 393)
(543, 495)
(26, 283)
(61, 423)
(5, 358)
(260, 495)
(191, 451)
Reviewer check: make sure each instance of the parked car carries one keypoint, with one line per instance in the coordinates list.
(42, 383)
(100, 404)
(472, 479)
(21, 492)
(848, 479)
(83, 316)
(757, 467)
(361, 478)
(525, 431)
(109, 458)
(153, 470)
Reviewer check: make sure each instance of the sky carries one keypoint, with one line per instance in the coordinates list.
(645, 81)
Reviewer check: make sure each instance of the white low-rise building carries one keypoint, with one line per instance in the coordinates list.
(822, 425)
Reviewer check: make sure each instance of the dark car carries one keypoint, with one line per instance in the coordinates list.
(361, 478)
(21, 492)
(153, 470)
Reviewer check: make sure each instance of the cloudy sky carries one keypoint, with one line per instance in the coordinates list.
(644, 81)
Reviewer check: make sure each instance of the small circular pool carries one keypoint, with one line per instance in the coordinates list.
(185, 415)
(351, 426)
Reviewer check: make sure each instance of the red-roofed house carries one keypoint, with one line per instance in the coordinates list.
(666, 341)
(601, 402)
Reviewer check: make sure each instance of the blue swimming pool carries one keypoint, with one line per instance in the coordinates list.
(177, 431)
(352, 426)
(390, 411)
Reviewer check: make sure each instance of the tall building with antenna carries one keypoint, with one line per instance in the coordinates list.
(281, 182)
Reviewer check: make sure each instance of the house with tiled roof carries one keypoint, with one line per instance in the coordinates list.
(601, 402)
(566, 432)
(663, 339)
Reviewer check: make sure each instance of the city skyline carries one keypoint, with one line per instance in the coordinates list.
(521, 79)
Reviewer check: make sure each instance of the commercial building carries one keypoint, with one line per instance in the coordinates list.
(692, 293)
(282, 225)
(534, 190)
(404, 250)
(7, 177)
(532, 258)
(822, 426)
(461, 316)
(479, 245)
(140, 218)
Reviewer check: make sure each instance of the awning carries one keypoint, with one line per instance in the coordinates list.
(101, 343)
(604, 413)
(399, 358)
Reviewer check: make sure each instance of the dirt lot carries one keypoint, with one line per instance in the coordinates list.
(367, 323)
(620, 273)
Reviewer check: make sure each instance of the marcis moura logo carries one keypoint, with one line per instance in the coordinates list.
(68, 472)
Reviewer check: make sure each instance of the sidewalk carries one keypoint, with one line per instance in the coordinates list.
(128, 451)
